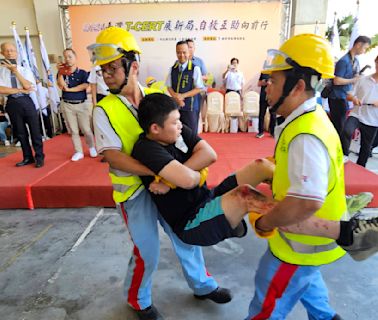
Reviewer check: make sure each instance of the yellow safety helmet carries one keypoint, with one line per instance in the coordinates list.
(111, 44)
(150, 80)
(303, 50)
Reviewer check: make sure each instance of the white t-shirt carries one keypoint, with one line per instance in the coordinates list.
(95, 77)
(366, 90)
(234, 80)
(308, 160)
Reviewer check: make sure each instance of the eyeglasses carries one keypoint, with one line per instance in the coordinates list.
(110, 69)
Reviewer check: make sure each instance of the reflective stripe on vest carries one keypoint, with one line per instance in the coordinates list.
(126, 126)
(303, 249)
(306, 248)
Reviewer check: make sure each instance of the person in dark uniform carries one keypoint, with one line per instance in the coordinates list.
(184, 83)
(17, 83)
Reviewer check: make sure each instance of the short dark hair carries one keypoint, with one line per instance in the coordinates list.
(70, 49)
(181, 42)
(237, 60)
(363, 39)
(155, 108)
(189, 40)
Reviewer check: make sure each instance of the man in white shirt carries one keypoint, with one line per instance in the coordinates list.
(17, 83)
(234, 78)
(363, 116)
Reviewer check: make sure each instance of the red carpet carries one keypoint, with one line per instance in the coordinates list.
(65, 184)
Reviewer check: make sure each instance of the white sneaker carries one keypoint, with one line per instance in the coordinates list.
(345, 158)
(7, 143)
(93, 152)
(18, 144)
(77, 156)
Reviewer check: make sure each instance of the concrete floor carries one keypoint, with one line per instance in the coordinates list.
(64, 264)
(69, 264)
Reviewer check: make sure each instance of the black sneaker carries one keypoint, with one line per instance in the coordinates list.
(149, 313)
(365, 238)
(219, 295)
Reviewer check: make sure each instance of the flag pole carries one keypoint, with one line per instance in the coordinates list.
(36, 80)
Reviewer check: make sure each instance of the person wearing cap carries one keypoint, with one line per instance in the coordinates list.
(308, 181)
(117, 129)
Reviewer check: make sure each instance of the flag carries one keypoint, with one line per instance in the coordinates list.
(356, 29)
(335, 39)
(317, 29)
(48, 77)
(23, 60)
(33, 66)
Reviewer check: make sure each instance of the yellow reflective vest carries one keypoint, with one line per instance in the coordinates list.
(303, 249)
(126, 126)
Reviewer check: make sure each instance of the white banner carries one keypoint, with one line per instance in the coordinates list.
(221, 31)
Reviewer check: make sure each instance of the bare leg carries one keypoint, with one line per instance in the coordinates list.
(257, 171)
(243, 199)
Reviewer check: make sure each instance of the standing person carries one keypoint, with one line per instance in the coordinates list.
(262, 83)
(74, 83)
(3, 124)
(197, 61)
(184, 83)
(117, 129)
(99, 89)
(234, 77)
(308, 181)
(17, 83)
(346, 74)
(363, 116)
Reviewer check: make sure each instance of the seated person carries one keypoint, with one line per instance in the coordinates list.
(204, 217)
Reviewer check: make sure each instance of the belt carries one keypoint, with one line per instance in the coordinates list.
(74, 101)
(17, 95)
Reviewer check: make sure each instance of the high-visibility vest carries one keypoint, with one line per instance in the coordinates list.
(127, 127)
(303, 249)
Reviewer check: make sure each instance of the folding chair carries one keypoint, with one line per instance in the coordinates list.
(232, 111)
(214, 118)
(250, 112)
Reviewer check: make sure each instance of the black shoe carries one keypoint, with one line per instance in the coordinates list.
(219, 295)
(337, 317)
(24, 162)
(39, 163)
(149, 313)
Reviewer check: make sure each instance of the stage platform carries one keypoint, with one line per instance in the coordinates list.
(62, 183)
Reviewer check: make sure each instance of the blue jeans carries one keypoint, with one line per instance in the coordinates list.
(3, 126)
(279, 286)
(141, 215)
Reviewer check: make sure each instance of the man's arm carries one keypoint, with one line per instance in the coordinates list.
(7, 90)
(121, 161)
(94, 92)
(289, 211)
(203, 155)
(340, 69)
(78, 88)
(180, 175)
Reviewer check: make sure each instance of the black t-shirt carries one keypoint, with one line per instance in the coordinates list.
(179, 205)
(78, 77)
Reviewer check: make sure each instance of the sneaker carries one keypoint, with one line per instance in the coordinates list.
(345, 158)
(93, 152)
(18, 144)
(7, 143)
(259, 135)
(77, 156)
(219, 295)
(365, 238)
(149, 313)
(358, 201)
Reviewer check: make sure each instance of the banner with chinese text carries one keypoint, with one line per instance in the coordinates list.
(220, 30)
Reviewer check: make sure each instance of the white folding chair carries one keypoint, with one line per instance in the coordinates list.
(214, 119)
(250, 112)
(232, 111)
